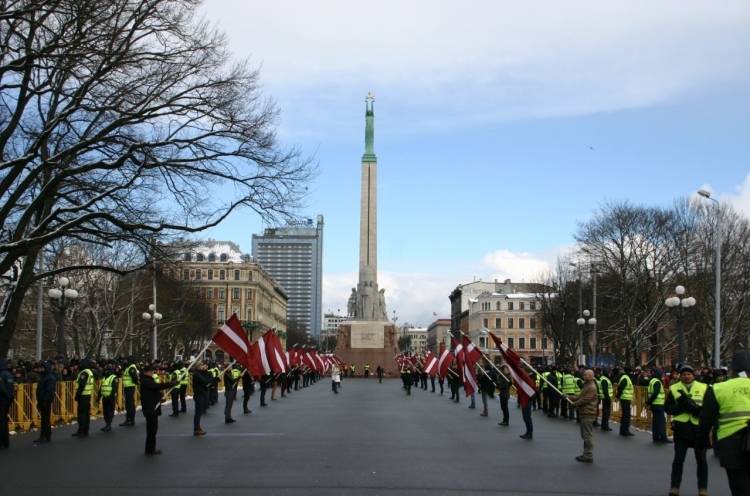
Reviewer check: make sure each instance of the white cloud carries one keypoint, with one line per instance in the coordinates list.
(740, 198)
(446, 62)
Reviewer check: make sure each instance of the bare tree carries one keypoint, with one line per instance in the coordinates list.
(122, 120)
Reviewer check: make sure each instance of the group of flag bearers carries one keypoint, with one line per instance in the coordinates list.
(698, 410)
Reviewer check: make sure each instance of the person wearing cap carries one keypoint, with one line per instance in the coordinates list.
(728, 403)
(656, 398)
(84, 390)
(684, 402)
(151, 399)
(130, 380)
(45, 395)
(108, 394)
(625, 396)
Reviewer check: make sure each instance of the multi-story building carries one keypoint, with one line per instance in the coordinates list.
(417, 335)
(438, 332)
(232, 282)
(331, 323)
(293, 255)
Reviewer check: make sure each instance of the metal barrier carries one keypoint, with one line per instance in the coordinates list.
(24, 414)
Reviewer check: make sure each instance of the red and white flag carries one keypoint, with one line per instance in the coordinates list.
(445, 361)
(232, 338)
(254, 362)
(524, 384)
(263, 358)
(430, 364)
(471, 355)
(276, 358)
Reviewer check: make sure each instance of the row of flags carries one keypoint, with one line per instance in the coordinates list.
(466, 357)
(267, 354)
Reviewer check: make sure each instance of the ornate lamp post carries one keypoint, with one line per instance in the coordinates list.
(717, 285)
(62, 297)
(155, 317)
(680, 304)
(582, 321)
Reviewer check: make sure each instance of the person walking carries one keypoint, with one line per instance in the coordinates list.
(45, 396)
(406, 376)
(84, 390)
(263, 387)
(503, 386)
(728, 405)
(202, 380)
(231, 381)
(151, 398)
(625, 396)
(655, 400)
(130, 379)
(487, 388)
(379, 371)
(684, 404)
(335, 378)
(7, 393)
(586, 403)
(108, 394)
(248, 388)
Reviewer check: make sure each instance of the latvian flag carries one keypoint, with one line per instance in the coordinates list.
(445, 361)
(430, 364)
(524, 384)
(232, 338)
(471, 356)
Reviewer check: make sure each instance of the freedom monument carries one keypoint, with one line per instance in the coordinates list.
(368, 337)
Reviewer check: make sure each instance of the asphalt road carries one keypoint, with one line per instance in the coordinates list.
(369, 440)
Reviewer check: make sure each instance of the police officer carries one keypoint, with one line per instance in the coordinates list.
(108, 394)
(684, 404)
(625, 395)
(176, 375)
(213, 391)
(728, 403)
(45, 395)
(605, 395)
(568, 389)
(184, 381)
(84, 390)
(367, 370)
(130, 380)
(231, 380)
(655, 400)
(150, 388)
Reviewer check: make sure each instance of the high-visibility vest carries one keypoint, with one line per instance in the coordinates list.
(215, 372)
(599, 393)
(568, 384)
(107, 385)
(236, 374)
(627, 392)
(89, 387)
(127, 381)
(695, 392)
(185, 376)
(605, 380)
(659, 397)
(559, 379)
(733, 397)
(577, 385)
(546, 377)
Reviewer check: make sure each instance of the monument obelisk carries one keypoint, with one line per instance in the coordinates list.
(368, 337)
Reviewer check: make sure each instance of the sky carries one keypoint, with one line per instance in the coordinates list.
(499, 126)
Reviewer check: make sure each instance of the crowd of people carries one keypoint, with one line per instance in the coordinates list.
(157, 382)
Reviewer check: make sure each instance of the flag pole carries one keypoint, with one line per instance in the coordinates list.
(488, 375)
(545, 379)
(484, 355)
(192, 364)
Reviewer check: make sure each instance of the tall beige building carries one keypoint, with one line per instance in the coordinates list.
(231, 282)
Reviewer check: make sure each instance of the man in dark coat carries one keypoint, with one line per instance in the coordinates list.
(151, 404)
(45, 395)
(202, 380)
(248, 388)
(503, 386)
(6, 400)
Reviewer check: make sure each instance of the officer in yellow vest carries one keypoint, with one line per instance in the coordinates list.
(655, 399)
(130, 379)
(231, 381)
(625, 395)
(684, 402)
(569, 389)
(605, 396)
(183, 388)
(84, 390)
(108, 394)
(213, 392)
(176, 375)
(728, 403)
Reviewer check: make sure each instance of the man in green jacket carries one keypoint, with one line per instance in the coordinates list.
(586, 402)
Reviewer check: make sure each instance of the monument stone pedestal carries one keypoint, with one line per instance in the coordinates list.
(362, 342)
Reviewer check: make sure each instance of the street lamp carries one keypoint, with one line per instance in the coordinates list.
(680, 304)
(717, 265)
(62, 296)
(155, 317)
(582, 321)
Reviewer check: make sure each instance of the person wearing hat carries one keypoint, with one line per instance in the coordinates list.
(728, 403)
(84, 390)
(151, 405)
(108, 394)
(45, 395)
(130, 379)
(684, 402)
(625, 396)
(656, 399)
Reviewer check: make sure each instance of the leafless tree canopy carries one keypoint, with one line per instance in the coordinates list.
(126, 120)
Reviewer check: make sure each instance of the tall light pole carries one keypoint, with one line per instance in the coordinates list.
(680, 303)
(155, 317)
(717, 265)
(582, 321)
(63, 296)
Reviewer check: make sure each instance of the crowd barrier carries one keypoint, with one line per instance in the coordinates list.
(24, 415)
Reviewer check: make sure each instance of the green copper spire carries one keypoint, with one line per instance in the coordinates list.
(369, 155)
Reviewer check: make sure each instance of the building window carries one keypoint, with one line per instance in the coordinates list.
(192, 274)
(199, 257)
(236, 275)
(222, 294)
(510, 322)
(497, 305)
(249, 294)
(249, 275)
(510, 305)
(532, 323)
(544, 343)
(532, 305)
(497, 323)
(482, 342)
(222, 275)
(532, 343)
(186, 257)
(236, 311)
(521, 343)
(185, 275)
(211, 257)
(522, 323)
(224, 257)
(220, 317)
(485, 323)
(510, 342)
(249, 314)
(235, 293)
(521, 305)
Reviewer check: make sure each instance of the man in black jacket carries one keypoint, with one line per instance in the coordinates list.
(6, 400)
(504, 392)
(151, 405)
(45, 395)
(202, 380)
(248, 388)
